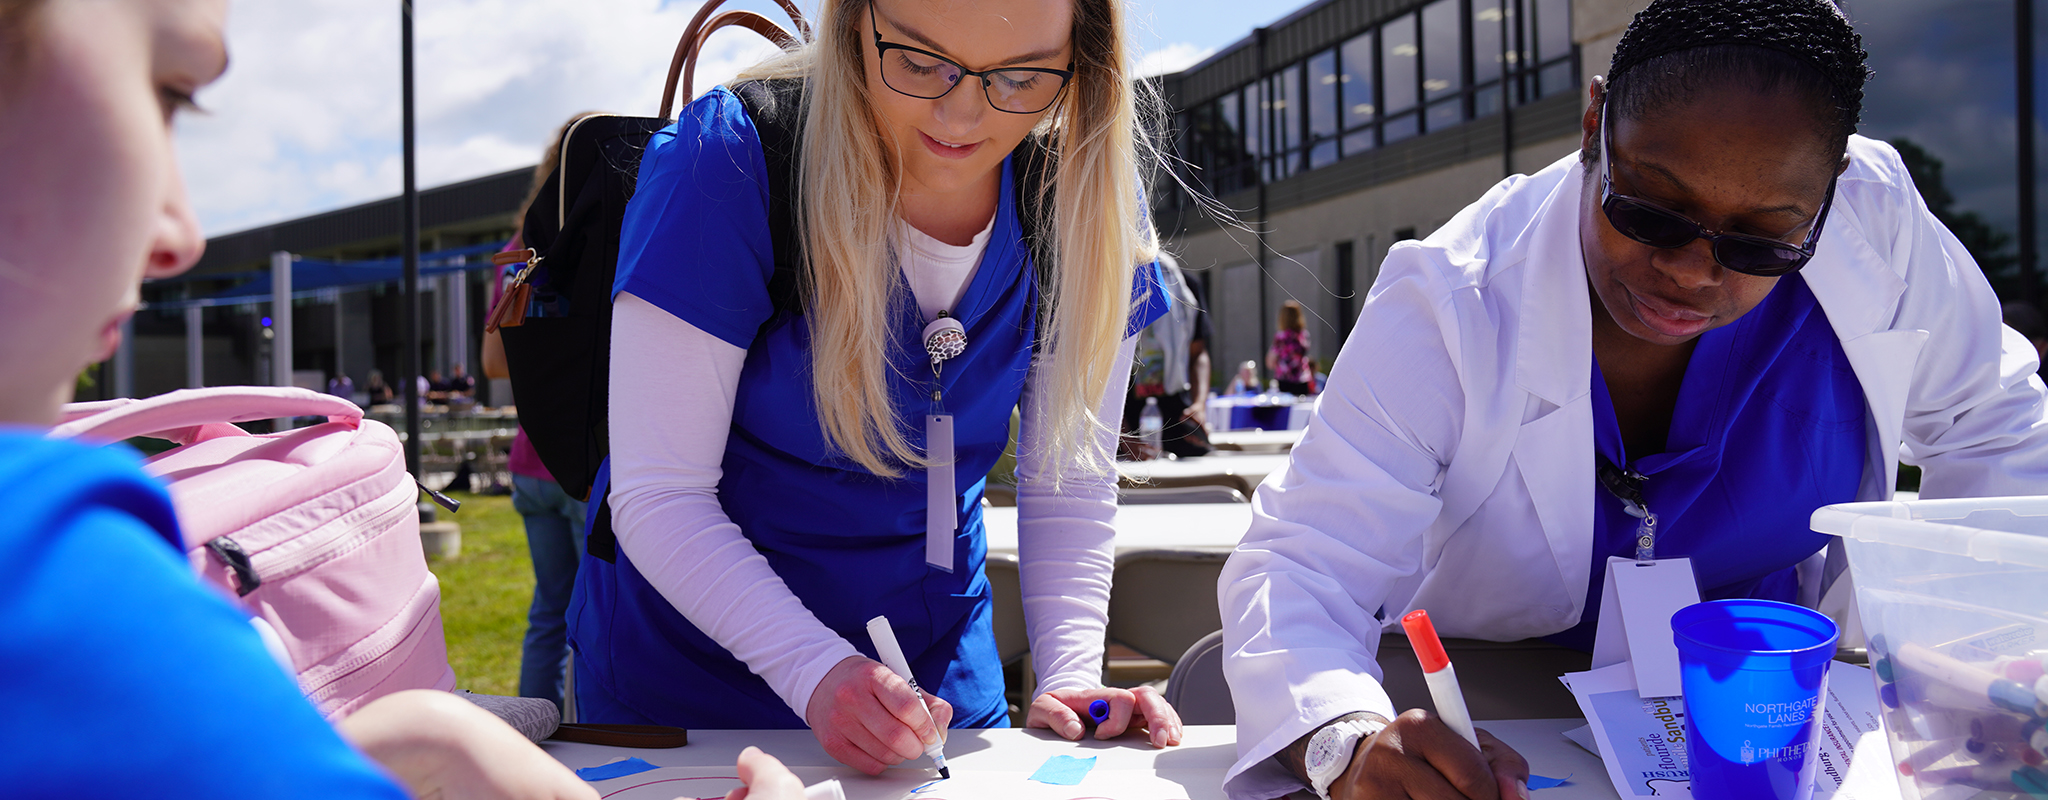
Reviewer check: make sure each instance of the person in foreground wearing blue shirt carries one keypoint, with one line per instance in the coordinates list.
(1726, 308)
(121, 674)
(771, 468)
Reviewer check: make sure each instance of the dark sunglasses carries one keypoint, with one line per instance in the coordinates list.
(1657, 226)
(926, 75)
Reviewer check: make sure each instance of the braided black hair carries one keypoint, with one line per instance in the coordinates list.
(1675, 49)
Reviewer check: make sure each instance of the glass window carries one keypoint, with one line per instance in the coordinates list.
(1400, 127)
(1558, 78)
(1358, 142)
(1553, 29)
(1323, 154)
(1443, 49)
(1255, 109)
(1225, 138)
(1186, 144)
(1487, 55)
(1203, 143)
(1229, 129)
(1287, 109)
(1486, 100)
(1397, 64)
(1356, 59)
(1322, 95)
(1447, 112)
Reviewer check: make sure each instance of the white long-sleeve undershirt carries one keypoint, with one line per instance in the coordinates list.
(665, 509)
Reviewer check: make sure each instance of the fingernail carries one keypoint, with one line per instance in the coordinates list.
(1522, 788)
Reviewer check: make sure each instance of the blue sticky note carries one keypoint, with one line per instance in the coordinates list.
(1540, 782)
(1063, 770)
(616, 769)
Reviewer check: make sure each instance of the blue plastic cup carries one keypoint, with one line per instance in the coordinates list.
(1755, 675)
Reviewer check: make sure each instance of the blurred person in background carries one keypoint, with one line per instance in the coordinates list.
(554, 520)
(1288, 360)
(1173, 366)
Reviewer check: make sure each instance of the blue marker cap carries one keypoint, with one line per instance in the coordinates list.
(1099, 711)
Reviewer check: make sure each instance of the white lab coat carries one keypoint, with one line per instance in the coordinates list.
(1449, 464)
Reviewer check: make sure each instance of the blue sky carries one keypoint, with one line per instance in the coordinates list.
(307, 118)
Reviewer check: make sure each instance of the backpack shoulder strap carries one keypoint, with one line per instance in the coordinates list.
(777, 108)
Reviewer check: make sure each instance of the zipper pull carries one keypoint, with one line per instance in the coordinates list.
(453, 505)
(237, 560)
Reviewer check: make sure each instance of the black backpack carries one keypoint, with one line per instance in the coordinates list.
(560, 353)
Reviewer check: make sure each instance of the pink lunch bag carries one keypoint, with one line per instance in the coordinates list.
(316, 530)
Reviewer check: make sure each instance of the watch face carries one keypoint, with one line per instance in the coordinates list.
(1322, 750)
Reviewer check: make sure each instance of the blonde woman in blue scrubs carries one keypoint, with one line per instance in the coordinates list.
(770, 473)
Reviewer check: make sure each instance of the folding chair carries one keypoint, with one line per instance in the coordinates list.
(1162, 602)
(1237, 482)
(1197, 690)
(1145, 496)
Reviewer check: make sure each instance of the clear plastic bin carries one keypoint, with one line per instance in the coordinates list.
(1953, 595)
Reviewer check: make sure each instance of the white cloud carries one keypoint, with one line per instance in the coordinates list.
(307, 118)
(1172, 58)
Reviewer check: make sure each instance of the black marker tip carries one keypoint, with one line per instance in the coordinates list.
(945, 774)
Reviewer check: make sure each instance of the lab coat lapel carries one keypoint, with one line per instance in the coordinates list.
(1554, 365)
(1860, 293)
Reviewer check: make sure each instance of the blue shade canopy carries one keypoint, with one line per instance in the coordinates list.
(312, 276)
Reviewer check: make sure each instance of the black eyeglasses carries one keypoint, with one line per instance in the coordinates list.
(1657, 226)
(926, 75)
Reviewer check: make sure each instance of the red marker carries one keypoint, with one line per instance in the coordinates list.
(1438, 673)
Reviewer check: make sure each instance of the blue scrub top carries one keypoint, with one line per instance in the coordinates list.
(123, 675)
(1769, 426)
(848, 543)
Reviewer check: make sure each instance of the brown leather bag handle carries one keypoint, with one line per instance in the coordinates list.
(682, 68)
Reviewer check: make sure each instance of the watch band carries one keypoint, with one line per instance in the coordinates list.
(1350, 731)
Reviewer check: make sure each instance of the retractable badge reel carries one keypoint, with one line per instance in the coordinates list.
(1639, 596)
(944, 339)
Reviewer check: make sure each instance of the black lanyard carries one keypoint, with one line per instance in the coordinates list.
(1627, 486)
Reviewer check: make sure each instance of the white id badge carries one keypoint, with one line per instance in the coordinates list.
(1636, 605)
(942, 513)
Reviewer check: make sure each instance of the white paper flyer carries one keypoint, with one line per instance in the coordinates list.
(1642, 740)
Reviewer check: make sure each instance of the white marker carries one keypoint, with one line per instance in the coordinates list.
(829, 790)
(1437, 672)
(892, 657)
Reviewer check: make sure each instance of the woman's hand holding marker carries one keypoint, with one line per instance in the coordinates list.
(1419, 756)
(869, 719)
(1113, 711)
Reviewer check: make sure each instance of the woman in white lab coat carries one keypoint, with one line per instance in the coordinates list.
(1751, 300)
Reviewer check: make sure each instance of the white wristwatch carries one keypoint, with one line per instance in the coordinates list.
(1330, 751)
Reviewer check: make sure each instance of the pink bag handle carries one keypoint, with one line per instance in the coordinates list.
(194, 415)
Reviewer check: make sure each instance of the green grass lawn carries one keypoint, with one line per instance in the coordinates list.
(484, 594)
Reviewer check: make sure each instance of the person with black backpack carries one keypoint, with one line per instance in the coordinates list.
(965, 181)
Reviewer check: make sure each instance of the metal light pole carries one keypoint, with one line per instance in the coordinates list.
(409, 305)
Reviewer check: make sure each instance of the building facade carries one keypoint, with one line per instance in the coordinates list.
(344, 331)
(1352, 124)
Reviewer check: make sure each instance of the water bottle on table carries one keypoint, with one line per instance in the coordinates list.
(1151, 428)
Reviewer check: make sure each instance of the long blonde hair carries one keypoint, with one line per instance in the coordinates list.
(850, 182)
